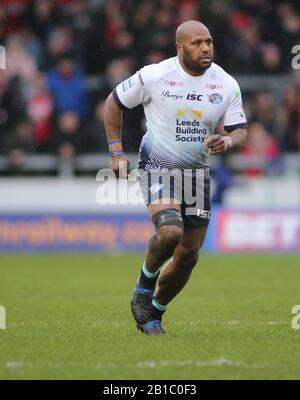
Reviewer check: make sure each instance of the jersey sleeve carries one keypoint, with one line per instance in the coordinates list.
(235, 115)
(136, 89)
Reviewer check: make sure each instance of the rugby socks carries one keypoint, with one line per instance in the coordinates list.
(148, 279)
(158, 309)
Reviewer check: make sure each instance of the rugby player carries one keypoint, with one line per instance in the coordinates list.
(184, 98)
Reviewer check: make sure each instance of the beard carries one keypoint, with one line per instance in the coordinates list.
(194, 65)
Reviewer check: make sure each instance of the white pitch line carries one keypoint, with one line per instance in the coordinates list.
(221, 362)
(124, 323)
(233, 322)
(15, 365)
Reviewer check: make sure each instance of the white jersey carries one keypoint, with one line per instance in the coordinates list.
(182, 111)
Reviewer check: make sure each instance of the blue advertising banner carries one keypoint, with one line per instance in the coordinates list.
(121, 232)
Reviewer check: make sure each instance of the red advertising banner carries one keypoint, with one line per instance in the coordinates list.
(240, 230)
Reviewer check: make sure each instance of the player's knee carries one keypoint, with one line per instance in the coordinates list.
(170, 217)
(169, 236)
(169, 228)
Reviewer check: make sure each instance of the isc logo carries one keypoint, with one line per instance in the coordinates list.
(2, 58)
(2, 318)
(194, 96)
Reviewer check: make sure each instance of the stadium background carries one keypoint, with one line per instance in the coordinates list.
(64, 58)
(68, 314)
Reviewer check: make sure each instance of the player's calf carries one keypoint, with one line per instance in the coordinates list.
(176, 274)
(186, 259)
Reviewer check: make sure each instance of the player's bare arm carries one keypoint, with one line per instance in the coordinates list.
(235, 140)
(113, 125)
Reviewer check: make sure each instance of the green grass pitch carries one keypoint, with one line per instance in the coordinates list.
(68, 317)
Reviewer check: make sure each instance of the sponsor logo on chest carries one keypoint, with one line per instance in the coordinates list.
(214, 98)
(194, 96)
(173, 83)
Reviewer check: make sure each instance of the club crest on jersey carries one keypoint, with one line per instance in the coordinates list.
(215, 98)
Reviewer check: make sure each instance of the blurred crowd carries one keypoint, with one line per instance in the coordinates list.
(65, 56)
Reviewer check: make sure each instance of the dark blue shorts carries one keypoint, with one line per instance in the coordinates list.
(191, 191)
